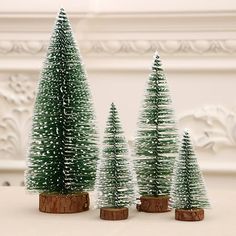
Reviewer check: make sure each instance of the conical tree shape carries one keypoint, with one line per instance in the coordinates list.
(114, 180)
(156, 145)
(63, 151)
(188, 189)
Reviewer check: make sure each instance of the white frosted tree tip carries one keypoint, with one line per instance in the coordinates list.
(186, 131)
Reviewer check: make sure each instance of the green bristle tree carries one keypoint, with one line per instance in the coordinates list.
(188, 189)
(156, 144)
(114, 180)
(63, 150)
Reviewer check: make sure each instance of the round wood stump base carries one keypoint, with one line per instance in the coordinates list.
(114, 213)
(153, 204)
(189, 215)
(60, 203)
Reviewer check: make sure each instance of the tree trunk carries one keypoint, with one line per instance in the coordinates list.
(153, 204)
(114, 213)
(189, 215)
(63, 203)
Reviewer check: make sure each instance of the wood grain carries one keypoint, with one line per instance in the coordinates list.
(114, 213)
(153, 204)
(60, 203)
(189, 215)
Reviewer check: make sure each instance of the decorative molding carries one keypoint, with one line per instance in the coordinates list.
(19, 90)
(168, 47)
(8, 47)
(213, 127)
(16, 99)
(137, 47)
(14, 134)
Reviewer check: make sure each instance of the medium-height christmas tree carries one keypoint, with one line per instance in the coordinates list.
(63, 150)
(156, 144)
(188, 194)
(114, 180)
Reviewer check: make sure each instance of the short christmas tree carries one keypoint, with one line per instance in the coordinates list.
(156, 144)
(188, 194)
(114, 180)
(63, 150)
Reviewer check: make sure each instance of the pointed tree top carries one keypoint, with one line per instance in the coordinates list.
(62, 25)
(156, 55)
(186, 132)
(187, 139)
(113, 117)
(113, 107)
(62, 11)
(157, 62)
(62, 14)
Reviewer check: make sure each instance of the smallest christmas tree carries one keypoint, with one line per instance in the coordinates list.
(114, 178)
(188, 194)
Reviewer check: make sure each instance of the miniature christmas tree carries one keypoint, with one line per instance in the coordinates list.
(63, 151)
(114, 179)
(188, 194)
(156, 144)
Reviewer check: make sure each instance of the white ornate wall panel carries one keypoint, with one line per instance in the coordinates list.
(197, 43)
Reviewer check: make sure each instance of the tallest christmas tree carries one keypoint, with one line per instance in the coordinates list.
(63, 151)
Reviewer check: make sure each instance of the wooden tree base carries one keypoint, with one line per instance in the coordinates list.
(59, 203)
(153, 204)
(114, 213)
(189, 215)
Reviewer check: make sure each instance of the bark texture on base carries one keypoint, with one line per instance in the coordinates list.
(189, 215)
(114, 213)
(153, 204)
(59, 203)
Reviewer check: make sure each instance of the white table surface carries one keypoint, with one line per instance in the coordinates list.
(19, 215)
